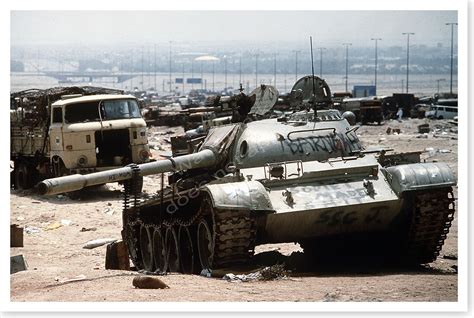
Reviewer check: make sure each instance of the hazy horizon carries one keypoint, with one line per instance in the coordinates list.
(328, 28)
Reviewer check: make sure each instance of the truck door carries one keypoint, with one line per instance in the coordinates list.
(56, 129)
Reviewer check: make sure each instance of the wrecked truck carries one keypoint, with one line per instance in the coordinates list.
(63, 131)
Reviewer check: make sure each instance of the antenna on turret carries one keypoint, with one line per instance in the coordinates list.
(313, 97)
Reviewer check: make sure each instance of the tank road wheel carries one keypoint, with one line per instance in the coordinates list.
(159, 251)
(186, 250)
(205, 244)
(146, 249)
(225, 236)
(172, 250)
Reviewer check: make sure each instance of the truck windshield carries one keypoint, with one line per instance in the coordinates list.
(110, 109)
(120, 109)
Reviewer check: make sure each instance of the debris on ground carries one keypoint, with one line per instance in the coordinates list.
(47, 216)
(331, 297)
(66, 222)
(156, 273)
(52, 226)
(74, 279)
(242, 277)
(32, 230)
(448, 131)
(17, 264)
(206, 272)
(432, 151)
(447, 136)
(148, 282)
(116, 256)
(98, 242)
(450, 256)
(16, 236)
(455, 267)
(109, 211)
(87, 229)
(424, 128)
(273, 272)
(393, 131)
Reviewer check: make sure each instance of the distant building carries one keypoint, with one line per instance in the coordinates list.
(364, 90)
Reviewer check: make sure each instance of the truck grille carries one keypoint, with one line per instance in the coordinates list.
(113, 147)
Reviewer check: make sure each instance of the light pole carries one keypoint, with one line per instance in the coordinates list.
(233, 72)
(439, 80)
(240, 69)
(170, 67)
(408, 54)
(296, 64)
(376, 40)
(148, 64)
(154, 70)
(256, 69)
(225, 74)
(202, 78)
(321, 61)
(347, 61)
(213, 75)
(192, 74)
(143, 60)
(274, 69)
(452, 36)
(131, 71)
(183, 78)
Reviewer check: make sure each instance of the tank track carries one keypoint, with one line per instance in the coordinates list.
(432, 214)
(235, 235)
(234, 238)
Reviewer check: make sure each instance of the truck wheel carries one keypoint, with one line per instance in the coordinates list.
(23, 177)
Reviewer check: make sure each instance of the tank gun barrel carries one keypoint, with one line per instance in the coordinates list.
(201, 159)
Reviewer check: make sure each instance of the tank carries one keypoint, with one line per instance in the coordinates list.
(303, 178)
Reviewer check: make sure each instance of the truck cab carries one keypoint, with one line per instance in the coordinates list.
(95, 133)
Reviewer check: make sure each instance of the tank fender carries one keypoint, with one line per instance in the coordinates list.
(248, 195)
(420, 176)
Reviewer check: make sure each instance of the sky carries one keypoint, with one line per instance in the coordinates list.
(327, 27)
